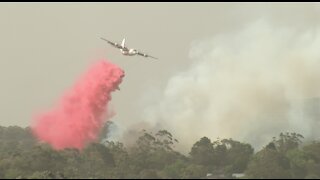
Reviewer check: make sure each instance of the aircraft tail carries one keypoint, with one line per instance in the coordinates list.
(123, 42)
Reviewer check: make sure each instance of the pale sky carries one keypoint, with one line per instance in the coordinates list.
(46, 46)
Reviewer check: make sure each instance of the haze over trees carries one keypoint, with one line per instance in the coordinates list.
(154, 156)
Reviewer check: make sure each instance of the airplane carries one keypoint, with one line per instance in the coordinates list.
(126, 51)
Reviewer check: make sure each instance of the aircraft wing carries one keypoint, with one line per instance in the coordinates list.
(145, 55)
(113, 44)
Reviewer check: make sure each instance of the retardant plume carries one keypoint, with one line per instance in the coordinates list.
(249, 84)
(80, 114)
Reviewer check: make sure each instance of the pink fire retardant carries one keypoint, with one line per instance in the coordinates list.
(80, 114)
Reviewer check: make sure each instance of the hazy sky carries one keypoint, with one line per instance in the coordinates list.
(46, 46)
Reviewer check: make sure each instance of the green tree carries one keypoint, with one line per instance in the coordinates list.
(299, 161)
(219, 159)
(194, 171)
(153, 152)
(287, 141)
(202, 152)
(175, 170)
(122, 161)
(268, 164)
(312, 151)
(96, 159)
(46, 175)
(148, 174)
(237, 155)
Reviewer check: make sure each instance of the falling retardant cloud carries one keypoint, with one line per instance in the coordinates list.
(80, 114)
(247, 85)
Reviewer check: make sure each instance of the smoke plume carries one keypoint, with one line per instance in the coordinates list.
(78, 117)
(248, 85)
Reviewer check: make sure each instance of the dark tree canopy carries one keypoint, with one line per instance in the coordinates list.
(154, 155)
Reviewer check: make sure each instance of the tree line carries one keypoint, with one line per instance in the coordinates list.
(154, 156)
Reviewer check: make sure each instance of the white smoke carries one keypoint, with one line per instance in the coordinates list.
(247, 85)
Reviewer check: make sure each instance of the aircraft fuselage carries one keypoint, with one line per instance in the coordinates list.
(130, 52)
